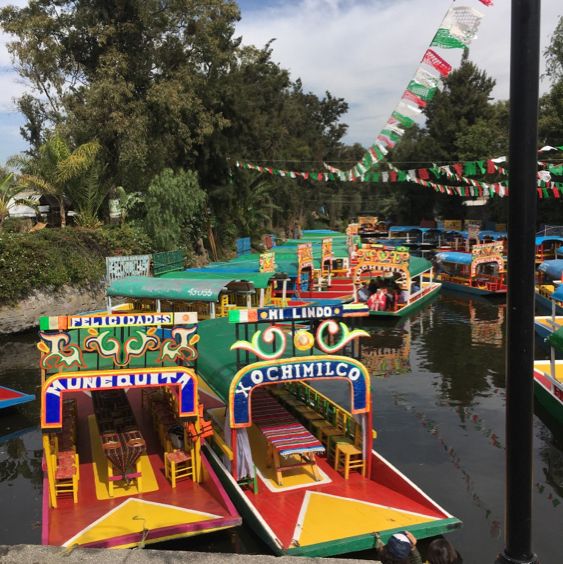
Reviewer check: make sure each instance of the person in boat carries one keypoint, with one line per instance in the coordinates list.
(372, 288)
(441, 551)
(363, 293)
(378, 301)
(403, 296)
(400, 549)
(391, 298)
(415, 288)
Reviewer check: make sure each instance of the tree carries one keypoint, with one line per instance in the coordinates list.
(554, 54)
(175, 209)
(58, 171)
(140, 76)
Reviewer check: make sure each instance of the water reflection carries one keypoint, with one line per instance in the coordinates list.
(387, 351)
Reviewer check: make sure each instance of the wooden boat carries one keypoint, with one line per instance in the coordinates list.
(371, 228)
(414, 275)
(548, 379)
(480, 272)
(299, 467)
(545, 325)
(414, 237)
(463, 241)
(546, 247)
(122, 432)
(549, 292)
(319, 284)
(9, 397)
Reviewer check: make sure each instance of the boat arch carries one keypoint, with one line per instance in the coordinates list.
(297, 369)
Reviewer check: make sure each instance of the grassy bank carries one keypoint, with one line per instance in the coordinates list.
(52, 258)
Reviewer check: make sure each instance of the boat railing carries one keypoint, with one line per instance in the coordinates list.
(330, 410)
(427, 287)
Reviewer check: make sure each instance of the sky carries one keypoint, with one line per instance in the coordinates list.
(365, 51)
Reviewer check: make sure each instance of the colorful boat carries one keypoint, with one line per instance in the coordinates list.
(414, 275)
(371, 228)
(546, 247)
(548, 379)
(480, 272)
(299, 467)
(414, 237)
(122, 432)
(549, 292)
(545, 325)
(9, 397)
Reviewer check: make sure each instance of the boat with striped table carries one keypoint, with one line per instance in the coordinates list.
(299, 467)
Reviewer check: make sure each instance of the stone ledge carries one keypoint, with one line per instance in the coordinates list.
(34, 554)
(67, 300)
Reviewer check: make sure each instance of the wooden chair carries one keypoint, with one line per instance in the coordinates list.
(350, 457)
(178, 465)
(66, 477)
(348, 453)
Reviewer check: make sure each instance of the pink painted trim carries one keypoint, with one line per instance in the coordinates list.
(163, 532)
(225, 498)
(45, 508)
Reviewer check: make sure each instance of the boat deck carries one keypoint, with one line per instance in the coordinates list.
(307, 512)
(161, 512)
(544, 366)
(546, 324)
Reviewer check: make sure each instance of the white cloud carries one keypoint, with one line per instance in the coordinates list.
(367, 50)
(363, 50)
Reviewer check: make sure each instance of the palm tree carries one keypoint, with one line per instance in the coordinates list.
(57, 171)
(8, 190)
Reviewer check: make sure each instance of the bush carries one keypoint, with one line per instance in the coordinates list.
(52, 258)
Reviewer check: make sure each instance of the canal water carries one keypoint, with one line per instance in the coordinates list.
(439, 398)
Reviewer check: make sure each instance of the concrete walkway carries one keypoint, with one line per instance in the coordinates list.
(34, 554)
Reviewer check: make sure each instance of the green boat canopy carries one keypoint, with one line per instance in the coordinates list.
(418, 265)
(258, 279)
(217, 364)
(556, 339)
(194, 290)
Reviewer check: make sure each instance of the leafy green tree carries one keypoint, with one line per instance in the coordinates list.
(175, 207)
(58, 171)
(140, 76)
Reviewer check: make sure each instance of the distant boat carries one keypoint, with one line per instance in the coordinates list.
(9, 397)
(549, 291)
(479, 272)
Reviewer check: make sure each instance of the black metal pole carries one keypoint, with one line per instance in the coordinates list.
(524, 86)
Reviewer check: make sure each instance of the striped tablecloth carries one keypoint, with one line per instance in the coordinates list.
(286, 435)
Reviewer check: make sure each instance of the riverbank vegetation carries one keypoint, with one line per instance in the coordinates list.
(136, 115)
(52, 258)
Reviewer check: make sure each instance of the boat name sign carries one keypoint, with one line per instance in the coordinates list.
(55, 387)
(295, 369)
